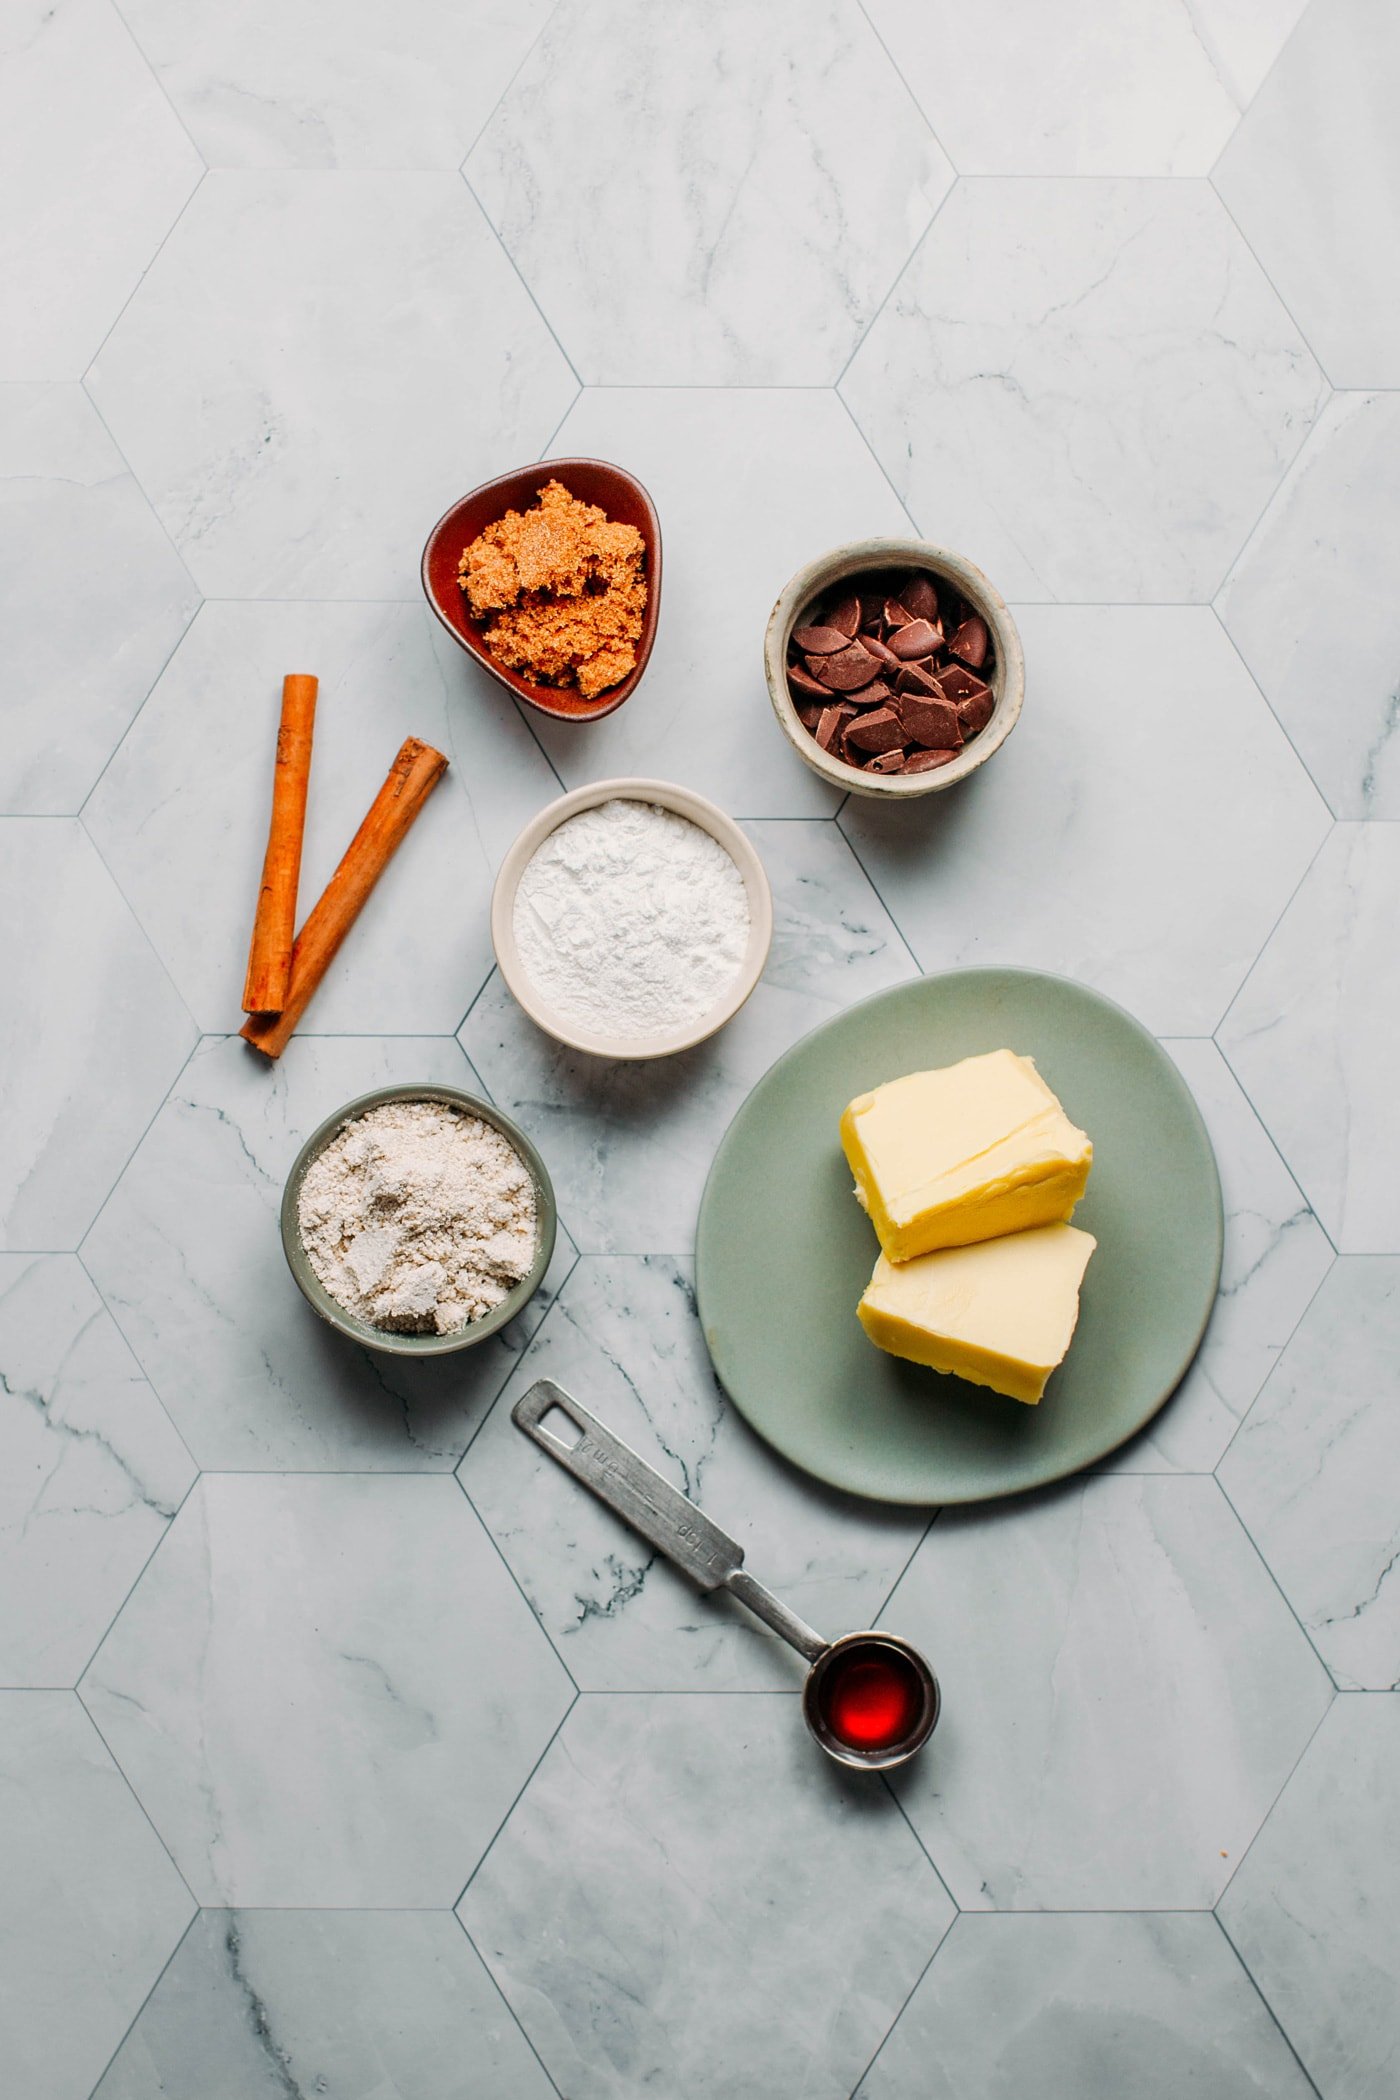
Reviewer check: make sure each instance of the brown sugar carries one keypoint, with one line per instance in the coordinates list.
(560, 591)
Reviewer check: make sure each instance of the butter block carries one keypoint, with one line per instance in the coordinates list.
(945, 1158)
(1001, 1313)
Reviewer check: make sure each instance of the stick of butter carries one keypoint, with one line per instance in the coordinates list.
(976, 1149)
(1001, 1313)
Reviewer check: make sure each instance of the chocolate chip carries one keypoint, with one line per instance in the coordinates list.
(830, 725)
(895, 614)
(926, 761)
(880, 731)
(846, 672)
(956, 682)
(970, 641)
(873, 695)
(913, 678)
(976, 712)
(809, 716)
(919, 638)
(886, 762)
(845, 617)
(932, 723)
(820, 641)
(920, 598)
(800, 677)
(873, 646)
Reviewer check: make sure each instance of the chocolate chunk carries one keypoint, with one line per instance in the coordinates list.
(873, 695)
(919, 638)
(820, 641)
(880, 731)
(846, 672)
(932, 723)
(919, 597)
(914, 678)
(809, 716)
(845, 617)
(956, 682)
(872, 608)
(830, 725)
(971, 640)
(873, 646)
(926, 761)
(886, 762)
(976, 712)
(895, 614)
(801, 678)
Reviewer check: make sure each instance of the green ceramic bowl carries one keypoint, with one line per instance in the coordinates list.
(333, 1313)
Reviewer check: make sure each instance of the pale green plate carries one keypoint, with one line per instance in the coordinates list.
(784, 1251)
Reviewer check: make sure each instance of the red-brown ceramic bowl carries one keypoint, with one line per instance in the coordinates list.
(614, 490)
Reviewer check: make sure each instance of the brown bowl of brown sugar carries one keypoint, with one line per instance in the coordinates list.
(551, 578)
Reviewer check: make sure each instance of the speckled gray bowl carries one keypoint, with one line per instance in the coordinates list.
(333, 1313)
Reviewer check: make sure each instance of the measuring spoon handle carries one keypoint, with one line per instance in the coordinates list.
(665, 1517)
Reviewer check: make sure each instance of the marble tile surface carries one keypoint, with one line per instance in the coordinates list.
(187, 1253)
(1313, 177)
(1060, 90)
(779, 136)
(97, 168)
(95, 597)
(1149, 2004)
(645, 1878)
(1315, 1909)
(314, 368)
(1003, 387)
(629, 1145)
(1312, 1473)
(1071, 850)
(326, 1691)
(1125, 1694)
(91, 1469)
(91, 1036)
(1276, 1255)
(1311, 1037)
(752, 483)
(181, 813)
(361, 2005)
(90, 1905)
(1310, 607)
(366, 84)
(625, 1340)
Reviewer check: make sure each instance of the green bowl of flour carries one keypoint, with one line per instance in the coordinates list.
(424, 1217)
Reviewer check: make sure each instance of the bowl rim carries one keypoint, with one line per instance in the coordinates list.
(521, 688)
(858, 558)
(332, 1311)
(686, 803)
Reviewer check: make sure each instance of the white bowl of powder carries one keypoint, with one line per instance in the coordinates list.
(631, 919)
(418, 1220)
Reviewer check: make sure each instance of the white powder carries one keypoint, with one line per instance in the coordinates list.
(631, 920)
(418, 1217)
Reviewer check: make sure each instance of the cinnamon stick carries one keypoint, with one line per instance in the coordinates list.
(270, 951)
(412, 777)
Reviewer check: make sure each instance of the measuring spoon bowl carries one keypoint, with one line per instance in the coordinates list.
(871, 1701)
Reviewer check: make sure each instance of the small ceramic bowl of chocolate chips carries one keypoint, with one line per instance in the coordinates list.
(894, 667)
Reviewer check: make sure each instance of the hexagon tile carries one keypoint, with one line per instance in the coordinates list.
(90, 1906)
(1066, 2007)
(1313, 1472)
(630, 1144)
(90, 1049)
(326, 1691)
(1312, 1035)
(91, 1470)
(644, 1882)
(1313, 177)
(1100, 843)
(625, 1337)
(1002, 387)
(314, 367)
(188, 1255)
(406, 85)
(1126, 1694)
(293, 2004)
(1315, 1908)
(103, 167)
(181, 813)
(780, 132)
(1311, 609)
(79, 662)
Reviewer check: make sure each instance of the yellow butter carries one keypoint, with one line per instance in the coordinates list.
(1000, 1314)
(944, 1158)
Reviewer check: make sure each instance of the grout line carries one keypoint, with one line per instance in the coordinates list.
(131, 2025)
(174, 651)
(1253, 252)
(137, 1143)
(873, 2058)
(1287, 1600)
(519, 275)
(495, 1542)
(898, 278)
(1254, 1986)
(496, 1834)
(131, 1587)
(499, 1988)
(139, 48)
(479, 134)
(903, 80)
(913, 521)
(161, 963)
(1303, 1312)
(1282, 726)
(176, 221)
(117, 1763)
(1259, 954)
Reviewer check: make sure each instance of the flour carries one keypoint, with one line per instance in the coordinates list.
(418, 1217)
(630, 920)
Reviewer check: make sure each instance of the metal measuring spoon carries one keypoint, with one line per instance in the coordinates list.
(671, 1522)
